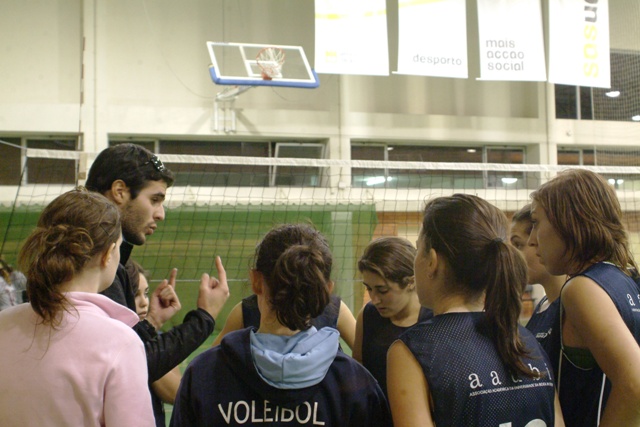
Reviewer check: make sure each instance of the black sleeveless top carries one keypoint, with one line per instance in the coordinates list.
(545, 326)
(329, 317)
(584, 392)
(378, 333)
(468, 380)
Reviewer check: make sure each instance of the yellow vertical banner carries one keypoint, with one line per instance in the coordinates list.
(432, 39)
(511, 40)
(579, 43)
(351, 37)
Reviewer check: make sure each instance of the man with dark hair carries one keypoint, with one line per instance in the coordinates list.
(136, 181)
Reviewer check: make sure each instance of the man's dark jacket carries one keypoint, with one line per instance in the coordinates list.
(167, 350)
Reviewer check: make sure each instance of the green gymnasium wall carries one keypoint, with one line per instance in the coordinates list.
(191, 237)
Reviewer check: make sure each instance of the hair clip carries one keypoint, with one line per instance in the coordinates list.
(156, 162)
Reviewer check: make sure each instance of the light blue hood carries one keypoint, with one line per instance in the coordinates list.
(298, 361)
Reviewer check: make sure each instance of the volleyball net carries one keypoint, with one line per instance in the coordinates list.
(224, 205)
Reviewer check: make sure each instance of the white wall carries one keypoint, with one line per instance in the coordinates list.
(145, 73)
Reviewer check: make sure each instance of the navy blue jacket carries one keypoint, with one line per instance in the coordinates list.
(222, 387)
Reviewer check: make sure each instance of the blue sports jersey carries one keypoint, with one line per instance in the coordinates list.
(468, 381)
(545, 326)
(584, 392)
(378, 333)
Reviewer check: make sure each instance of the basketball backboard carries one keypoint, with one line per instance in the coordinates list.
(244, 64)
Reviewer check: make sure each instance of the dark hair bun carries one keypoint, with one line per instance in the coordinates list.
(301, 290)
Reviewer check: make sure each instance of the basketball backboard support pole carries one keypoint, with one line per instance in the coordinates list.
(224, 113)
(224, 116)
(243, 66)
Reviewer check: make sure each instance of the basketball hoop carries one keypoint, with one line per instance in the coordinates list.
(270, 61)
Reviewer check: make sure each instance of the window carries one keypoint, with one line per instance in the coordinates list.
(619, 103)
(241, 175)
(415, 178)
(215, 175)
(361, 177)
(11, 156)
(576, 157)
(149, 145)
(51, 171)
(505, 179)
(295, 175)
(605, 156)
(599, 156)
(17, 169)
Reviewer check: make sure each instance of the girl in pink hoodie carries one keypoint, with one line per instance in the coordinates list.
(70, 357)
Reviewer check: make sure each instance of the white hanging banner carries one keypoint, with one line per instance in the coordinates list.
(351, 37)
(579, 43)
(511, 40)
(432, 38)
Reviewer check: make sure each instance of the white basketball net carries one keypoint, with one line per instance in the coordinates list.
(270, 61)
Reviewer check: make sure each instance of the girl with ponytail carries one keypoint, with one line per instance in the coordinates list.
(70, 357)
(471, 364)
(286, 372)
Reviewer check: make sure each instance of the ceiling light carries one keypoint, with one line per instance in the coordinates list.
(613, 93)
(471, 150)
(375, 180)
(508, 180)
(636, 118)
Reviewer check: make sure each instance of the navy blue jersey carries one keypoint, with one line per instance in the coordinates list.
(378, 333)
(329, 317)
(545, 326)
(222, 387)
(584, 391)
(469, 383)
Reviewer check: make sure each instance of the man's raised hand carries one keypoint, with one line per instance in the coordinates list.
(164, 301)
(213, 292)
